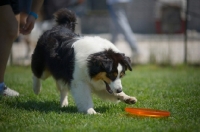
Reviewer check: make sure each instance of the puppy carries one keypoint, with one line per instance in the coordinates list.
(83, 65)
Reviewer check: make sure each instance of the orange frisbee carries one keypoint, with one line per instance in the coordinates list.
(147, 112)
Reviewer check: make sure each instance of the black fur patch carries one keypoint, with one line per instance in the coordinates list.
(54, 52)
(65, 18)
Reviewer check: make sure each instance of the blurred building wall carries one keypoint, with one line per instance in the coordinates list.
(142, 15)
(194, 15)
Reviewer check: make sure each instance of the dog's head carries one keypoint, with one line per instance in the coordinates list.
(109, 67)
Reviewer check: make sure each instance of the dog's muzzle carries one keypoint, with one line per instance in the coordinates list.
(108, 88)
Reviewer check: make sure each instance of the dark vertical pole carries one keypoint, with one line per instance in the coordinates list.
(185, 33)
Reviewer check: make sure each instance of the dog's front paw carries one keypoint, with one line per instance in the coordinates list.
(64, 103)
(130, 100)
(91, 111)
(125, 98)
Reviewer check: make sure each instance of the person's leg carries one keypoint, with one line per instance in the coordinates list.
(114, 33)
(8, 33)
(113, 25)
(121, 22)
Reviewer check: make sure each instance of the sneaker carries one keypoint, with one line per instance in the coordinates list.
(8, 92)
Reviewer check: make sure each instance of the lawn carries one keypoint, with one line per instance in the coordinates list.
(176, 89)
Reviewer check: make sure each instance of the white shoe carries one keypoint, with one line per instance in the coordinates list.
(8, 92)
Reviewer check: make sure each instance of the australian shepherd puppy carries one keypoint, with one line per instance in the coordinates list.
(83, 65)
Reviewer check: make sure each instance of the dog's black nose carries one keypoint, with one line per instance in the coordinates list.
(119, 90)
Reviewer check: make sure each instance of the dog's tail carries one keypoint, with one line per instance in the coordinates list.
(66, 18)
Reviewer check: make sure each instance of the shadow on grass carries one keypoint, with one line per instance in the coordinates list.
(48, 106)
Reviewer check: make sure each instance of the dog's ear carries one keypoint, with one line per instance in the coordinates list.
(102, 62)
(127, 62)
(107, 64)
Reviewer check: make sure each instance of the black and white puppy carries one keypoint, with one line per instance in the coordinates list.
(83, 65)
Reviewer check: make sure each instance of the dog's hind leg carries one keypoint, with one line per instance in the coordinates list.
(37, 81)
(36, 84)
(63, 88)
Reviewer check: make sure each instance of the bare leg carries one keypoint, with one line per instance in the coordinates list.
(9, 30)
(8, 33)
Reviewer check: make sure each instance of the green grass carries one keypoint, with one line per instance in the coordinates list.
(176, 89)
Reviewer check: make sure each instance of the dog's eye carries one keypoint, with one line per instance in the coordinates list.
(112, 75)
(122, 74)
